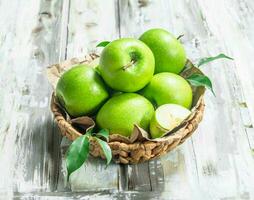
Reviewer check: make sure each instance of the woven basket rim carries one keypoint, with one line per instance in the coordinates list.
(137, 152)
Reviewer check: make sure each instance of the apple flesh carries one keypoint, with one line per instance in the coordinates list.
(167, 88)
(126, 65)
(121, 112)
(166, 118)
(169, 53)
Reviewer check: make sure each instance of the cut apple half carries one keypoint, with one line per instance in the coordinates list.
(166, 118)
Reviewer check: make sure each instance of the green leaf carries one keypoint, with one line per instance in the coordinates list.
(106, 149)
(200, 80)
(103, 133)
(210, 59)
(103, 44)
(77, 153)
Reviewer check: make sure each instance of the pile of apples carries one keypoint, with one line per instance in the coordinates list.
(137, 82)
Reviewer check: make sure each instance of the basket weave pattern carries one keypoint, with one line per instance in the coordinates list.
(138, 151)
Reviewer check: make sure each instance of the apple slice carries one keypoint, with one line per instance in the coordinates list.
(166, 118)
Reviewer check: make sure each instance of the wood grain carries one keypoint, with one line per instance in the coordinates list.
(103, 195)
(233, 159)
(220, 144)
(29, 142)
(216, 163)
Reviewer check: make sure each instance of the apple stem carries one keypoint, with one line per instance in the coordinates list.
(128, 65)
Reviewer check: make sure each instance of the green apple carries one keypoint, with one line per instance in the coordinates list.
(166, 118)
(81, 91)
(169, 53)
(167, 88)
(126, 65)
(121, 112)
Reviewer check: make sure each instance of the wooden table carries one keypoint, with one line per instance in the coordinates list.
(216, 163)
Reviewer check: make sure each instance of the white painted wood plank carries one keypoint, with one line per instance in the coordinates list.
(104, 195)
(138, 16)
(233, 27)
(29, 145)
(224, 160)
(218, 166)
(180, 173)
(89, 23)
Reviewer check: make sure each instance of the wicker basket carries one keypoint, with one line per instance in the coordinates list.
(138, 151)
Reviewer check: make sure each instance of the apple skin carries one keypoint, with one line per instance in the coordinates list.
(165, 88)
(126, 65)
(168, 52)
(121, 112)
(81, 91)
(155, 130)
